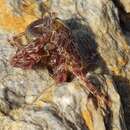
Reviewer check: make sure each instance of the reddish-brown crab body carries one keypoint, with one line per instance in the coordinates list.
(52, 43)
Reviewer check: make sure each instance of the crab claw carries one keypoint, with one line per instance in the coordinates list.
(28, 56)
(24, 60)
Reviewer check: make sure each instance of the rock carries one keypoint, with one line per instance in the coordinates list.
(18, 13)
(103, 19)
(126, 5)
(30, 99)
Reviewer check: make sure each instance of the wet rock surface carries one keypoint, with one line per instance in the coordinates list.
(30, 99)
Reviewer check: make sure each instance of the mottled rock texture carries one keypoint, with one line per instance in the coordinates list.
(125, 4)
(30, 99)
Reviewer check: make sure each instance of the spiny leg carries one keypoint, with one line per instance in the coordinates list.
(79, 72)
(17, 40)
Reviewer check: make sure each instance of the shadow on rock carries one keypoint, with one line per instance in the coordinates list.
(123, 86)
(87, 45)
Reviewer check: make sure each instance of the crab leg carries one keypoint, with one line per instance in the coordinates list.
(79, 73)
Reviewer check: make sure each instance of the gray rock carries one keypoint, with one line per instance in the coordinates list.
(30, 99)
(25, 103)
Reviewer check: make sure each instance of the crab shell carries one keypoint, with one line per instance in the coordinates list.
(41, 42)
